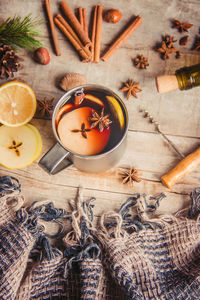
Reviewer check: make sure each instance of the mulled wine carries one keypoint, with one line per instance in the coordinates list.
(91, 122)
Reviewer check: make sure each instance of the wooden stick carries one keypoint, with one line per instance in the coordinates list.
(122, 38)
(80, 14)
(75, 23)
(74, 35)
(98, 34)
(52, 28)
(94, 24)
(72, 40)
(85, 25)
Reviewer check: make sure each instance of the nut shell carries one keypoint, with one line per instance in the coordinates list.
(71, 80)
(112, 16)
(41, 55)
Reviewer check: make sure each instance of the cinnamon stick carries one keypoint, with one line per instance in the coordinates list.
(122, 38)
(94, 24)
(72, 40)
(98, 33)
(73, 34)
(85, 25)
(75, 23)
(52, 28)
(80, 14)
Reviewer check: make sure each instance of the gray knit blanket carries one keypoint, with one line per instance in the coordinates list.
(125, 256)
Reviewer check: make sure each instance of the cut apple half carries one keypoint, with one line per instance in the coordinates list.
(94, 99)
(39, 141)
(116, 109)
(18, 146)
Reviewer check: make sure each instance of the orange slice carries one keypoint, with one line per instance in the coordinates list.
(94, 99)
(17, 104)
(67, 107)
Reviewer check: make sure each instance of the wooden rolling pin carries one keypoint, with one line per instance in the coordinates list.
(184, 167)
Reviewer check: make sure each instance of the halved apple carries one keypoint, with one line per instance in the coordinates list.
(116, 110)
(94, 99)
(64, 109)
(39, 141)
(17, 146)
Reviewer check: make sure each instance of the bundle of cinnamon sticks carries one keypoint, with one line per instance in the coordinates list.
(76, 31)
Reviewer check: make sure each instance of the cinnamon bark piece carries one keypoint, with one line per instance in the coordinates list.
(74, 35)
(98, 33)
(122, 38)
(72, 40)
(80, 15)
(52, 28)
(94, 24)
(75, 23)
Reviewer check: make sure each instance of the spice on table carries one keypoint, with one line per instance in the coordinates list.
(71, 80)
(112, 15)
(45, 107)
(129, 175)
(41, 55)
(82, 35)
(122, 38)
(131, 88)
(181, 26)
(184, 40)
(18, 32)
(141, 62)
(52, 28)
(197, 43)
(82, 13)
(167, 47)
(73, 37)
(9, 62)
(96, 32)
(102, 121)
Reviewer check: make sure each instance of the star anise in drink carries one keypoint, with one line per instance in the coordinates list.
(102, 121)
(131, 88)
(181, 26)
(130, 175)
(83, 130)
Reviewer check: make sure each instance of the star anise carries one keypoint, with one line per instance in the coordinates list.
(83, 130)
(181, 26)
(169, 40)
(131, 88)
(102, 121)
(167, 47)
(141, 62)
(45, 107)
(197, 43)
(130, 175)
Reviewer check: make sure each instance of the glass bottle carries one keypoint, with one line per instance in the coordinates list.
(188, 77)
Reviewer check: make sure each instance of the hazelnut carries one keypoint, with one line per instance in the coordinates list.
(41, 55)
(112, 15)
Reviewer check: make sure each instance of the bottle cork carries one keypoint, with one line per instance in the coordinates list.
(166, 83)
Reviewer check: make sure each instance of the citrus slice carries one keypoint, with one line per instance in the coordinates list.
(116, 109)
(17, 103)
(18, 146)
(39, 141)
(67, 107)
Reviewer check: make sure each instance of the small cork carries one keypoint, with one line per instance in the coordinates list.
(166, 83)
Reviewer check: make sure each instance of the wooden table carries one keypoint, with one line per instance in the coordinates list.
(177, 111)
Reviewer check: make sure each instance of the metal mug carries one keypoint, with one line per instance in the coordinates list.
(59, 157)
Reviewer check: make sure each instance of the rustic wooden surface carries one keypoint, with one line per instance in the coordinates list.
(177, 111)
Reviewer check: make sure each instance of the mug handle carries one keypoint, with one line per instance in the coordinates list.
(55, 160)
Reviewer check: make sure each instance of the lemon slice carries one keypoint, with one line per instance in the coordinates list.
(116, 109)
(39, 141)
(18, 146)
(17, 103)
